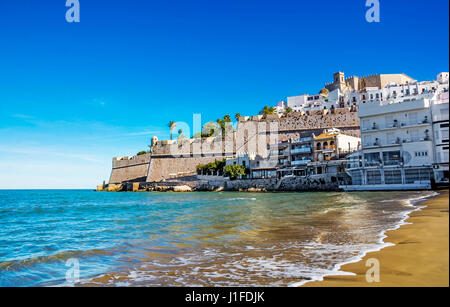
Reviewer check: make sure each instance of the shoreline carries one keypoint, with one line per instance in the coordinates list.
(415, 252)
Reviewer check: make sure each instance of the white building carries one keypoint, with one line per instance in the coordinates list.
(440, 119)
(404, 132)
(346, 97)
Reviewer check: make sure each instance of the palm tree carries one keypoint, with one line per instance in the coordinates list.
(288, 110)
(227, 118)
(267, 111)
(171, 126)
(180, 132)
(237, 116)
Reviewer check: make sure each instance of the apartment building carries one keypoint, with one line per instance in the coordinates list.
(403, 138)
(440, 119)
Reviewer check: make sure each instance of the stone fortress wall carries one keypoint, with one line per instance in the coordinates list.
(129, 168)
(171, 160)
(360, 83)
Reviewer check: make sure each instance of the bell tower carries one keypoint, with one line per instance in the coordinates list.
(339, 80)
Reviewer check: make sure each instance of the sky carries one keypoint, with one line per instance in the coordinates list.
(74, 95)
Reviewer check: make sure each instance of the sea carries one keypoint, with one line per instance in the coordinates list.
(86, 238)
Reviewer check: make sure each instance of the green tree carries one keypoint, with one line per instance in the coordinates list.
(288, 110)
(237, 116)
(141, 153)
(234, 170)
(267, 111)
(171, 126)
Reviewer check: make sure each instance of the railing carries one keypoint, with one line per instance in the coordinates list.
(300, 162)
(301, 150)
(391, 163)
(441, 117)
(401, 125)
(299, 140)
(372, 163)
(329, 147)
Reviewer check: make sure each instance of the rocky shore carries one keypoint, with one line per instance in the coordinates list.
(325, 182)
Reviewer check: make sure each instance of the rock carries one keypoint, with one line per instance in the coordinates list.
(162, 188)
(255, 190)
(182, 188)
(135, 187)
(114, 187)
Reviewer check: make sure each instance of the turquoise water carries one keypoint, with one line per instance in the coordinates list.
(189, 239)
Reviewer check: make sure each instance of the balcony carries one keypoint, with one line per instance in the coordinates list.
(329, 148)
(300, 162)
(372, 163)
(391, 163)
(442, 117)
(396, 125)
(301, 150)
(301, 140)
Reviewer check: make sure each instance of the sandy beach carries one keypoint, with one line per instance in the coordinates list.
(419, 258)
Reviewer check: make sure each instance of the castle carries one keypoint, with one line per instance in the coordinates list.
(316, 138)
(162, 164)
(355, 83)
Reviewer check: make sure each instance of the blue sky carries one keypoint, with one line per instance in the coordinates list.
(72, 96)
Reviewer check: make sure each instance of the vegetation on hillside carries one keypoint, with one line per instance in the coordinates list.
(267, 111)
(212, 167)
(234, 170)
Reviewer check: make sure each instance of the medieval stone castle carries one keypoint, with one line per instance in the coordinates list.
(334, 110)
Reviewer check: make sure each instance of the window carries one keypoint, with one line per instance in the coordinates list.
(366, 124)
(390, 138)
(389, 120)
(414, 135)
(372, 159)
(413, 118)
(421, 153)
(368, 141)
(391, 157)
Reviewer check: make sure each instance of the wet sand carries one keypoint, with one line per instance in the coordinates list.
(419, 258)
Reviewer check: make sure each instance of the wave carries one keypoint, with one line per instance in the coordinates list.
(14, 265)
(336, 270)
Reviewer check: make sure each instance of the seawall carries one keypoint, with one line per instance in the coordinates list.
(129, 169)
